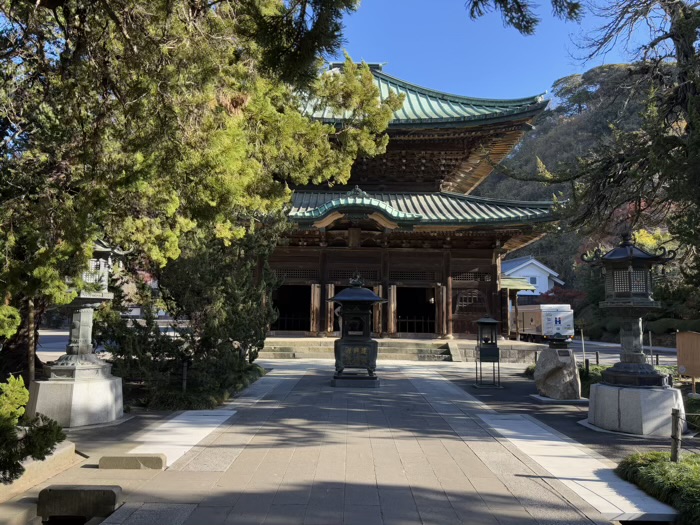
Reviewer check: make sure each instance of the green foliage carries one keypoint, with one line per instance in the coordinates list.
(9, 321)
(519, 14)
(590, 377)
(138, 122)
(667, 325)
(36, 438)
(530, 371)
(13, 398)
(178, 400)
(677, 484)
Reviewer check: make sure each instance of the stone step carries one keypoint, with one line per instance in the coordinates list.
(405, 350)
(413, 357)
(276, 355)
(380, 357)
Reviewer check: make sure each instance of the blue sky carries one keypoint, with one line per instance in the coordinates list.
(435, 44)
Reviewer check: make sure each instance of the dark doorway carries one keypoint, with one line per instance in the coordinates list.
(415, 310)
(293, 302)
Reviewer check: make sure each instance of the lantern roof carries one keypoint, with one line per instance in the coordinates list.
(356, 294)
(627, 252)
(487, 321)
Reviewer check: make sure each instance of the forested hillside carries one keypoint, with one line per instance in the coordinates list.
(584, 110)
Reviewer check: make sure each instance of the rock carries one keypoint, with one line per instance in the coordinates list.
(556, 374)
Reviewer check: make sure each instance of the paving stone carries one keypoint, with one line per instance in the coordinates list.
(152, 513)
(362, 515)
(208, 515)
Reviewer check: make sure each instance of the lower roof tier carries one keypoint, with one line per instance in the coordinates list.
(411, 209)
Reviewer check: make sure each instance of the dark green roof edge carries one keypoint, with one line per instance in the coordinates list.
(358, 202)
(417, 219)
(453, 111)
(533, 100)
(491, 200)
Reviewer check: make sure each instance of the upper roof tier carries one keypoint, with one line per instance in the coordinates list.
(425, 107)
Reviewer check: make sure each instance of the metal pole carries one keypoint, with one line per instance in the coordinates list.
(583, 345)
(597, 357)
(587, 363)
(657, 359)
(675, 435)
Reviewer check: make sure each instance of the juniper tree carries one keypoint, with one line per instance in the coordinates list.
(138, 121)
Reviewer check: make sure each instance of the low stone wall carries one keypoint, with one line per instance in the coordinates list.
(510, 353)
(36, 472)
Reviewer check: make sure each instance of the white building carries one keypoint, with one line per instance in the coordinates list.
(542, 277)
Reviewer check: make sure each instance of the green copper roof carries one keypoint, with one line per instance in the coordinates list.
(517, 283)
(427, 107)
(419, 208)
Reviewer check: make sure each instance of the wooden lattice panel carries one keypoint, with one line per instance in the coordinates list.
(471, 276)
(411, 275)
(296, 273)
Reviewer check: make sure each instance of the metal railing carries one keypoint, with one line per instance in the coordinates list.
(416, 325)
(292, 322)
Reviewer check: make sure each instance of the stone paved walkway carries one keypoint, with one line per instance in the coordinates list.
(298, 451)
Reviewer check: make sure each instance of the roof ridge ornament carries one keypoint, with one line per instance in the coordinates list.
(356, 280)
(358, 193)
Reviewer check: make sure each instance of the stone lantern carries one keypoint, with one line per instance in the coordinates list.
(81, 389)
(634, 397)
(488, 351)
(355, 349)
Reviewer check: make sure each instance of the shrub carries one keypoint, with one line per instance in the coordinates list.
(36, 438)
(677, 484)
(590, 377)
(13, 399)
(663, 326)
(530, 371)
(594, 331)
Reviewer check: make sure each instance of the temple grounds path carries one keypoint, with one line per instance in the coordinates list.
(294, 450)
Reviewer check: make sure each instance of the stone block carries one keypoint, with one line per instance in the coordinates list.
(556, 374)
(455, 352)
(134, 462)
(642, 411)
(77, 403)
(86, 501)
(355, 382)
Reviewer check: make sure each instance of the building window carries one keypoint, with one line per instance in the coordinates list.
(533, 280)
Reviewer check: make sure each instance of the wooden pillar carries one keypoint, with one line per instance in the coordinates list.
(391, 310)
(315, 309)
(377, 312)
(448, 293)
(438, 309)
(330, 309)
(517, 314)
(443, 310)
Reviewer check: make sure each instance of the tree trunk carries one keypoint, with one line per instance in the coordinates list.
(16, 351)
(31, 341)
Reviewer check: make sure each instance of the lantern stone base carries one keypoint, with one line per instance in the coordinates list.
(78, 403)
(641, 411)
(81, 391)
(351, 380)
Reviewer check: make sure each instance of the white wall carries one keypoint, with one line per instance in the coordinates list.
(544, 282)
